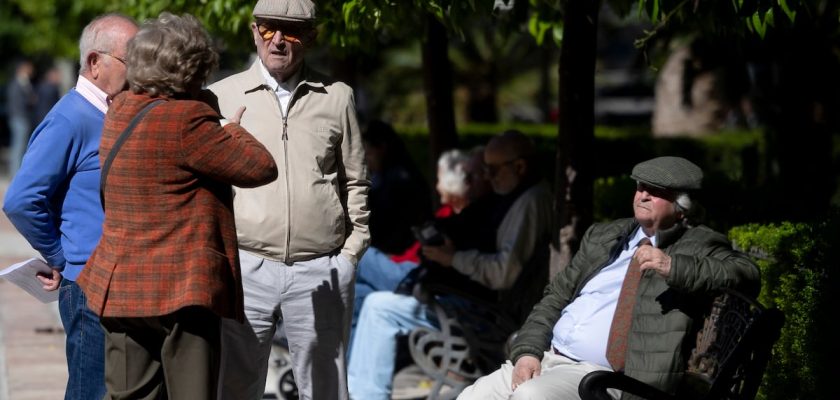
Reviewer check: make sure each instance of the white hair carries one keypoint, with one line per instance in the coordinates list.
(451, 174)
(683, 203)
(693, 213)
(98, 36)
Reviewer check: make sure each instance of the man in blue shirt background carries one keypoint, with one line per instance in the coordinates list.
(53, 199)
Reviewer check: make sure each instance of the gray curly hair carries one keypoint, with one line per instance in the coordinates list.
(170, 55)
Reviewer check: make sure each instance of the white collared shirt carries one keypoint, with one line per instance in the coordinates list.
(283, 90)
(583, 329)
(92, 94)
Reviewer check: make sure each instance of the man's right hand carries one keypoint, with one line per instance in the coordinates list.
(526, 368)
(49, 282)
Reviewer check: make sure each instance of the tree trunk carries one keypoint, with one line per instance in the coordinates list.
(800, 126)
(576, 136)
(481, 100)
(437, 83)
(544, 93)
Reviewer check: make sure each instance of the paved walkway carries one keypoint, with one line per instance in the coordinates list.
(32, 362)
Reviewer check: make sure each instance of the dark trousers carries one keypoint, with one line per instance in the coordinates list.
(175, 356)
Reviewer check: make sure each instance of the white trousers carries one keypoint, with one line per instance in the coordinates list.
(314, 299)
(559, 379)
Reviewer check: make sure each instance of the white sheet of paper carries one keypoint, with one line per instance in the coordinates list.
(23, 275)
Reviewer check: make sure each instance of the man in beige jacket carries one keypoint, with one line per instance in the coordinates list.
(301, 236)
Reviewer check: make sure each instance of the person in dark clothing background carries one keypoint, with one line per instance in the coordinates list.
(47, 92)
(20, 100)
(399, 196)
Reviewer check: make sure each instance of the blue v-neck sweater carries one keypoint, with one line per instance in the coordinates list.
(53, 200)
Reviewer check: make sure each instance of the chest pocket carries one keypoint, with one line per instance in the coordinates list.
(326, 146)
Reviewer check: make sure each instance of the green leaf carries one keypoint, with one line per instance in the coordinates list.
(655, 14)
(769, 18)
(749, 23)
(347, 10)
(533, 27)
(558, 34)
(791, 14)
(759, 25)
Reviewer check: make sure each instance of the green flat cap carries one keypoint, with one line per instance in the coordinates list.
(673, 173)
(286, 10)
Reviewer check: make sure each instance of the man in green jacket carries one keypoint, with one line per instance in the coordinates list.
(577, 326)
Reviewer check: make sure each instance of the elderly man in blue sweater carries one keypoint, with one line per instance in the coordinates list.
(54, 198)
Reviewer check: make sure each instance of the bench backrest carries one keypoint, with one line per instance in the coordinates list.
(732, 349)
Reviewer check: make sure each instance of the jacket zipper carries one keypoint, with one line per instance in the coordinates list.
(285, 139)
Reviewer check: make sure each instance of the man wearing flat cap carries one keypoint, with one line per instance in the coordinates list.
(626, 300)
(301, 236)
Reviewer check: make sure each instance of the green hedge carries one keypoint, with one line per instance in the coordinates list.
(799, 264)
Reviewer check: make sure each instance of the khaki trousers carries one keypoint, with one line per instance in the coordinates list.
(559, 380)
(175, 356)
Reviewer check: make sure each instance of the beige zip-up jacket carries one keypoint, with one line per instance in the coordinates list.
(318, 204)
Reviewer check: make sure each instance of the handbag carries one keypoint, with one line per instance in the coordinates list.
(120, 140)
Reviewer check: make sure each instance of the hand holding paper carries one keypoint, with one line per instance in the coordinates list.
(49, 280)
(35, 277)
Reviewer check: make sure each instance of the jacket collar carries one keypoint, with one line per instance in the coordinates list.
(254, 79)
(667, 237)
(664, 238)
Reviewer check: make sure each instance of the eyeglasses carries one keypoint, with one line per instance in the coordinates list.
(493, 169)
(120, 59)
(289, 33)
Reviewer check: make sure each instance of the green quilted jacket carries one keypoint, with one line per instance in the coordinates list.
(667, 312)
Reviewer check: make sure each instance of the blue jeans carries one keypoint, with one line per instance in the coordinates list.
(375, 272)
(85, 344)
(384, 316)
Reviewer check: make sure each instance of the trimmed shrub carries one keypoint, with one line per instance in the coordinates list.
(798, 263)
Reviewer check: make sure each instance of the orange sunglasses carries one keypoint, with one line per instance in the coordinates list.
(291, 34)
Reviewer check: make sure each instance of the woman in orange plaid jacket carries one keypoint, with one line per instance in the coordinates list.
(166, 269)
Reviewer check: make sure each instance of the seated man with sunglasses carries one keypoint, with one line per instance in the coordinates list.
(301, 236)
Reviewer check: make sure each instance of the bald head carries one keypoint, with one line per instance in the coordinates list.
(109, 33)
(512, 144)
(103, 48)
(508, 160)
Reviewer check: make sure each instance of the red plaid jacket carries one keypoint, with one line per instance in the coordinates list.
(169, 239)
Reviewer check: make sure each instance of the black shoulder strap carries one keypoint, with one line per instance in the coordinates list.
(120, 140)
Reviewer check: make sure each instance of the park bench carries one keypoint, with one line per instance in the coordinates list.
(471, 342)
(727, 362)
